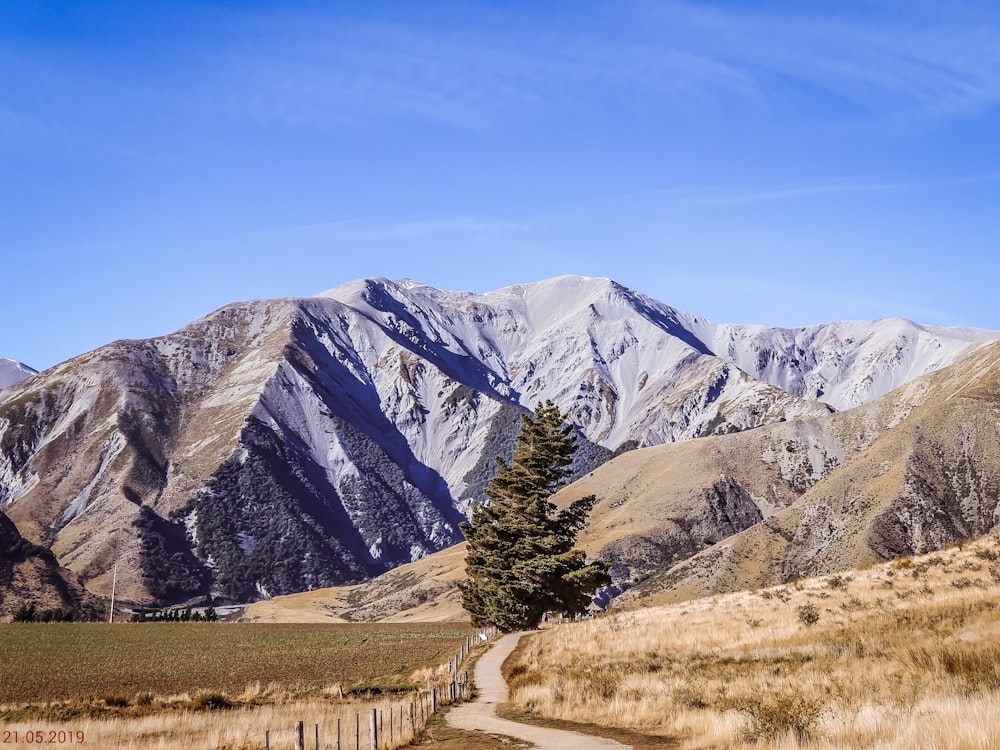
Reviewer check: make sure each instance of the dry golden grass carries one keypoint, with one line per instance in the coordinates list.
(421, 591)
(390, 669)
(235, 728)
(900, 655)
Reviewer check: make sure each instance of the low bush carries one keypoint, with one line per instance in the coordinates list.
(206, 700)
(772, 716)
(808, 614)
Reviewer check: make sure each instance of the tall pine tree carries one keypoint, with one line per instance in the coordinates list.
(521, 561)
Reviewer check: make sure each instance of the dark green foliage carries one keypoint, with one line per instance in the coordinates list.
(501, 440)
(176, 615)
(264, 522)
(521, 562)
(25, 613)
(169, 569)
(30, 613)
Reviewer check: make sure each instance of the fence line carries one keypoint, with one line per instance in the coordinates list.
(419, 707)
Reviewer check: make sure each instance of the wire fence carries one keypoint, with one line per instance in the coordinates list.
(385, 723)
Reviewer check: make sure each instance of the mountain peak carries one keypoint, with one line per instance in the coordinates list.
(365, 421)
(13, 372)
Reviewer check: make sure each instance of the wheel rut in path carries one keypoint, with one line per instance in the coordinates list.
(480, 714)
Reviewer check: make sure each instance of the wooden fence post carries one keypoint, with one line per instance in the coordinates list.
(317, 737)
(338, 734)
(267, 740)
(300, 735)
(357, 731)
(373, 729)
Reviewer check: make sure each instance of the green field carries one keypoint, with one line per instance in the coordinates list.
(88, 661)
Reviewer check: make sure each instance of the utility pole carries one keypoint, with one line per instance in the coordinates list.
(114, 583)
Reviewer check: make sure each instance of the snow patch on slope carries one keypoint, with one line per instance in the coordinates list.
(13, 372)
(114, 445)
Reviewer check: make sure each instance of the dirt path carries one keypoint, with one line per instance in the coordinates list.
(480, 715)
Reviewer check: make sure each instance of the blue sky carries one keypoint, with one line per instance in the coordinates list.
(772, 162)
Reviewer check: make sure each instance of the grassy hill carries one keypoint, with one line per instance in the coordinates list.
(901, 654)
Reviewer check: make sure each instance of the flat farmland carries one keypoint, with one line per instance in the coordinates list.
(85, 661)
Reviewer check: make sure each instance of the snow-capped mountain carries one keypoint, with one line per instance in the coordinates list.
(12, 371)
(288, 444)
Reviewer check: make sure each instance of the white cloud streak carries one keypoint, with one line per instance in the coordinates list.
(374, 231)
(904, 60)
(736, 197)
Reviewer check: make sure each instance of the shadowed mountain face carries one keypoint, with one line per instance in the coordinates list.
(285, 445)
(30, 575)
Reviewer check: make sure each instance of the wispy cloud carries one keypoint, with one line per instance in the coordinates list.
(936, 60)
(370, 231)
(891, 59)
(325, 68)
(735, 197)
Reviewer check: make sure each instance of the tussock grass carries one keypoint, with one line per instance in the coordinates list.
(894, 655)
(236, 728)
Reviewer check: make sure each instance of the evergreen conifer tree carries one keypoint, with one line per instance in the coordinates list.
(521, 562)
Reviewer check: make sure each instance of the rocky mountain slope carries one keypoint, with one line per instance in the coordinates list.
(915, 470)
(12, 371)
(30, 575)
(285, 445)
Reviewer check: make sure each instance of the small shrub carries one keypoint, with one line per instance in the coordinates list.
(853, 604)
(690, 696)
(903, 563)
(206, 700)
(25, 613)
(519, 676)
(775, 715)
(601, 682)
(115, 701)
(808, 614)
(837, 582)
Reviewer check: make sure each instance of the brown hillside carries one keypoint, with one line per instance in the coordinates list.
(929, 478)
(30, 575)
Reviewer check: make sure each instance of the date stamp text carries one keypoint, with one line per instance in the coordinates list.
(52, 737)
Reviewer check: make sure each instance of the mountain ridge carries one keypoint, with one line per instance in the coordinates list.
(296, 443)
(13, 372)
(911, 472)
